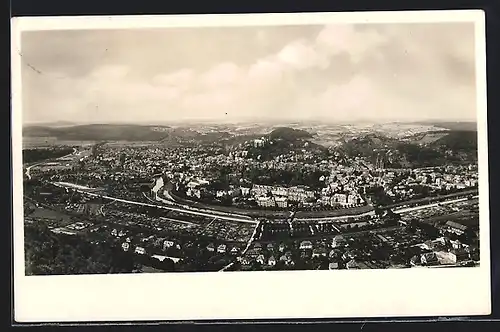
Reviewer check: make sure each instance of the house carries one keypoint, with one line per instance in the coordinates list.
(333, 266)
(167, 244)
(281, 202)
(429, 258)
(352, 265)
(332, 253)
(211, 247)
(456, 244)
(245, 191)
(270, 247)
(140, 250)
(271, 261)
(459, 255)
(125, 246)
(348, 255)
(221, 248)
(306, 245)
(114, 232)
(260, 259)
(318, 253)
(235, 250)
(253, 253)
(282, 247)
(455, 227)
(338, 241)
(245, 261)
(415, 260)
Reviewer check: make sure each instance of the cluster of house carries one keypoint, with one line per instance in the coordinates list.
(442, 251)
(465, 177)
(343, 199)
(259, 142)
(284, 253)
(271, 196)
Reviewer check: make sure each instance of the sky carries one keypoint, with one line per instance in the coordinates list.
(378, 72)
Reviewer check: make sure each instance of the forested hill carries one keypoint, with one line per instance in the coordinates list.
(455, 126)
(99, 132)
(289, 134)
(458, 140)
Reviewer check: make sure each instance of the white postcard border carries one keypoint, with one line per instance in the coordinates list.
(250, 295)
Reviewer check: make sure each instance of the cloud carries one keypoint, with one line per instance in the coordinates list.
(337, 39)
(337, 72)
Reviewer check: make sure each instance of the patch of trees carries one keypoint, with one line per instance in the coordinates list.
(289, 134)
(286, 177)
(35, 155)
(47, 253)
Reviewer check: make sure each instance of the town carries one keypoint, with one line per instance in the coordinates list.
(255, 201)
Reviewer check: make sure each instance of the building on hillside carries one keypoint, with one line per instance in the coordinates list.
(454, 227)
(338, 241)
(306, 245)
(281, 202)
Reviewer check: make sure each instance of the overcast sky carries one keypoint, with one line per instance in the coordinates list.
(336, 72)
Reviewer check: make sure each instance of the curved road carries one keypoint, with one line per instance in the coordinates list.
(27, 172)
(83, 190)
(211, 214)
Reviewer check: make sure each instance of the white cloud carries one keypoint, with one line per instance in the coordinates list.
(302, 55)
(336, 39)
(110, 72)
(392, 72)
(221, 75)
(178, 78)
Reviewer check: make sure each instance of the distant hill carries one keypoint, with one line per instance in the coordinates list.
(458, 125)
(458, 140)
(99, 132)
(397, 153)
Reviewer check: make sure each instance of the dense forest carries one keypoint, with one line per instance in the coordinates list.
(35, 155)
(456, 146)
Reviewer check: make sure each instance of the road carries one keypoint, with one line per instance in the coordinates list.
(224, 216)
(29, 168)
(75, 151)
(83, 190)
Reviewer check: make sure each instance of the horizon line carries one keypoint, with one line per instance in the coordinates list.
(243, 120)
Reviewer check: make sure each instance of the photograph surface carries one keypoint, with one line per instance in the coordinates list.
(242, 148)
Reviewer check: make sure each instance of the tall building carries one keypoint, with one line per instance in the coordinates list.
(379, 163)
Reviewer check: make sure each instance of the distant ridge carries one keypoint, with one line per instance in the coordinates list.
(99, 132)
